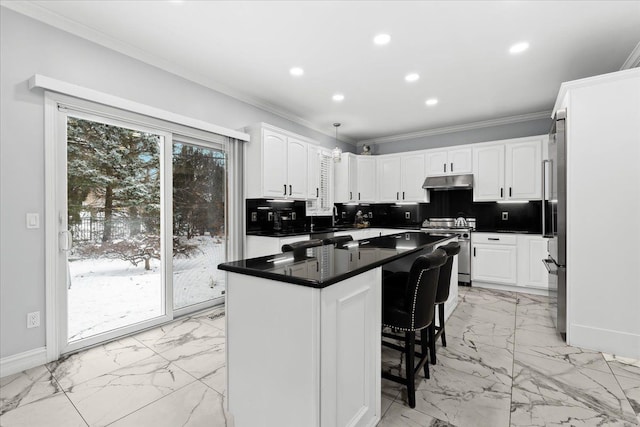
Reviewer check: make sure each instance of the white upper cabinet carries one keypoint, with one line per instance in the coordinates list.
(345, 175)
(449, 162)
(367, 179)
(400, 178)
(413, 173)
(389, 178)
(508, 170)
(320, 191)
(297, 168)
(488, 173)
(523, 170)
(275, 164)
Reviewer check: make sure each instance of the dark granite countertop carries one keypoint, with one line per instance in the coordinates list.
(325, 230)
(325, 265)
(485, 230)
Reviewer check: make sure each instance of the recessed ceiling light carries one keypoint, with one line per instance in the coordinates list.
(431, 102)
(382, 39)
(518, 47)
(338, 97)
(296, 71)
(412, 77)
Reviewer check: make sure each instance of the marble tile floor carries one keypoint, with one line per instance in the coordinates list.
(504, 366)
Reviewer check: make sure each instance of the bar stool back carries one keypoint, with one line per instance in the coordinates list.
(408, 305)
(442, 295)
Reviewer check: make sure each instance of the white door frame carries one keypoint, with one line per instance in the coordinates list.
(55, 294)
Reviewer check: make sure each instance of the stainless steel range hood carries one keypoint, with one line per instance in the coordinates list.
(449, 182)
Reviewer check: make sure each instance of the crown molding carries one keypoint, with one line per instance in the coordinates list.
(48, 17)
(633, 60)
(590, 81)
(458, 128)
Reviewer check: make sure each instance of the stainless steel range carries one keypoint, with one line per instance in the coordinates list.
(462, 227)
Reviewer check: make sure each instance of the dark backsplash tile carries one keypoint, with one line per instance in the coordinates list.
(443, 204)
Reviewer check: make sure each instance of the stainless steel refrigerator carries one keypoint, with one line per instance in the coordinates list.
(554, 218)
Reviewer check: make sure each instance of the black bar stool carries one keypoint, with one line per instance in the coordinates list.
(408, 304)
(301, 245)
(337, 239)
(444, 281)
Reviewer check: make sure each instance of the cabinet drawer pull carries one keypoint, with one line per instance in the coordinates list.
(474, 251)
(397, 195)
(445, 167)
(350, 195)
(451, 167)
(317, 192)
(358, 196)
(493, 238)
(285, 189)
(509, 191)
(403, 195)
(501, 192)
(289, 189)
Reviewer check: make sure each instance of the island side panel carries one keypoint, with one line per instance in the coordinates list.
(350, 363)
(273, 348)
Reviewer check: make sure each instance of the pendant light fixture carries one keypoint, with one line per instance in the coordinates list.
(337, 152)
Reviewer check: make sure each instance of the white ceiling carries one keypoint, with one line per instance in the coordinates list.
(460, 50)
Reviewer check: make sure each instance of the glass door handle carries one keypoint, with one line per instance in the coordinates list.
(66, 241)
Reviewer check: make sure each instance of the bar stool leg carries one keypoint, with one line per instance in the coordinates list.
(441, 317)
(410, 343)
(432, 341)
(424, 341)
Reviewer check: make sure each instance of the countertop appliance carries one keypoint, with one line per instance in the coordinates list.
(462, 227)
(554, 218)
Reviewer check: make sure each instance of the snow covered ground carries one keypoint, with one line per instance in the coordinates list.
(109, 294)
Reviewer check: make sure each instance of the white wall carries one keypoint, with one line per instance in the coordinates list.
(603, 178)
(28, 47)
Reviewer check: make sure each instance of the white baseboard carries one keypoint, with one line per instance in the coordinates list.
(604, 340)
(511, 288)
(19, 362)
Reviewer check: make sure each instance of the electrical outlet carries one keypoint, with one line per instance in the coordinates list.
(269, 216)
(293, 216)
(407, 215)
(254, 216)
(505, 216)
(33, 319)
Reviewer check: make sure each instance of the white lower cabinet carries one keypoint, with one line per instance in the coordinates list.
(494, 258)
(509, 261)
(532, 250)
(319, 352)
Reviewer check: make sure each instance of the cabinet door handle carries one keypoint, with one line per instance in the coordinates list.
(501, 192)
(451, 167)
(397, 195)
(445, 167)
(350, 257)
(350, 195)
(474, 252)
(317, 192)
(509, 191)
(403, 195)
(289, 189)
(358, 196)
(493, 238)
(285, 189)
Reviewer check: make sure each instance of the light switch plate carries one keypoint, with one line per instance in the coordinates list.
(33, 220)
(505, 216)
(407, 215)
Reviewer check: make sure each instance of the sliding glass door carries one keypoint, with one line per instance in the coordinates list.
(143, 226)
(199, 223)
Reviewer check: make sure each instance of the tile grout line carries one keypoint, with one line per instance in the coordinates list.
(513, 354)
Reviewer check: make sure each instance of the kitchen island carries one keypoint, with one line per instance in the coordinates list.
(303, 331)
